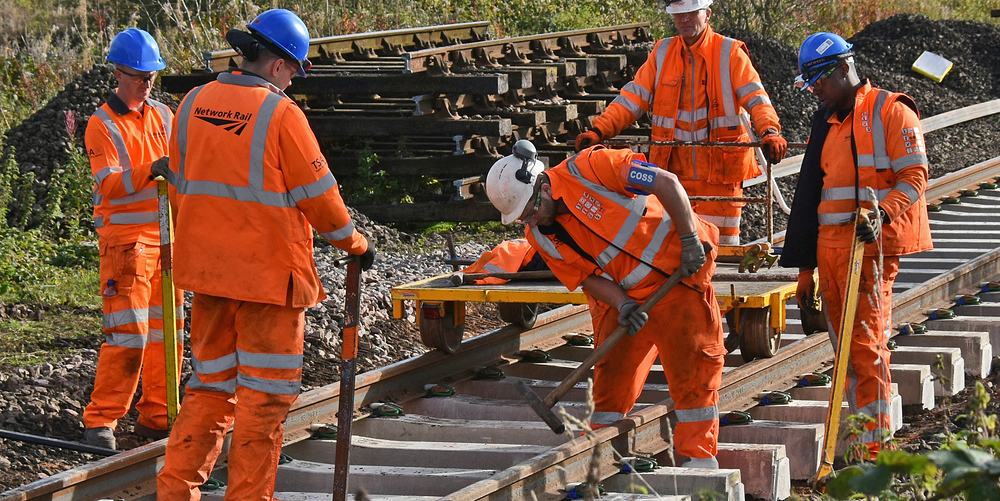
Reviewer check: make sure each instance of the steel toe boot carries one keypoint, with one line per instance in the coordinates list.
(99, 437)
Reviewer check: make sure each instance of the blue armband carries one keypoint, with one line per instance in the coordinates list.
(640, 177)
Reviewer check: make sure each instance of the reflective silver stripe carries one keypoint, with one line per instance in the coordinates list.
(632, 108)
(125, 317)
(866, 160)
(339, 234)
(876, 435)
(133, 218)
(605, 417)
(728, 121)
(97, 199)
(183, 116)
(687, 116)
(748, 89)
(127, 181)
(144, 194)
(547, 246)
(722, 221)
(878, 133)
(729, 239)
(313, 189)
(269, 360)
(662, 121)
(257, 145)
(238, 193)
(155, 335)
(635, 276)
(227, 386)
(105, 172)
(684, 135)
(728, 106)
(754, 101)
(835, 218)
(640, 91)
(164, 115)
(157, 312)
(909, 190)
(116, 138)
(126, 340)
(492, 268)
(661, 54)
(273, 386)
(908, 161)
(213, 366)
(99, 222)
(696, 415)
(847, 193)
(875, 408)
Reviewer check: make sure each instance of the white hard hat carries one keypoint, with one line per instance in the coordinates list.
(511, 181)
(682, 6)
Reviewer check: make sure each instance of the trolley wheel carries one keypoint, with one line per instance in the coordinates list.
(813, 320)
(757, 338)
(437, 327)
(519, 314)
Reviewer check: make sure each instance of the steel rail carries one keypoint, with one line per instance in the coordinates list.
(492, 50)
(218, 60)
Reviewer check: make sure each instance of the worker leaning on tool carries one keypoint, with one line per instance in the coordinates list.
(883, 128)
(247, 179)
(700, 86)
(125, 137)
(617, 226)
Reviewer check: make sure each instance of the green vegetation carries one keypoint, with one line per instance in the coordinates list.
(37, 341)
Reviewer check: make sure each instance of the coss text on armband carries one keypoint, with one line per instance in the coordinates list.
(641, 177)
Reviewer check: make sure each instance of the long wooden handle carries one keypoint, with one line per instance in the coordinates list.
(460, 278)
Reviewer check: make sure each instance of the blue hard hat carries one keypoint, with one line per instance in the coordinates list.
(818, 53)
(136, 49)
(287, 32)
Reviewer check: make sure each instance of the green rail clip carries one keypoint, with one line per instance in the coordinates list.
(969, 193)
(439, 390)
(940, 314)
(582, 490)
(934, 208)
(579, 339)
(380, 409)
(775, 398)
(284, 459)
(950, 200)
(906, 329)
(735, 417)
(637, 464)
(891, 344)
(534, 356)
(986, 185)
(211, 485)
(967, 300)
(815, 379)
(324, 432)
(990, 287)
(489, 374)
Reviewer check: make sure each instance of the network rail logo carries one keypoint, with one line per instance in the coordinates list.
(230, 120)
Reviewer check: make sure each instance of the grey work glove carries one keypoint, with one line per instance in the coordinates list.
(692, 254)
(629, 317)
(160, 167)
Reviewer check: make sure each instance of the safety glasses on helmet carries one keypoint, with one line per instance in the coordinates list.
(811, 76)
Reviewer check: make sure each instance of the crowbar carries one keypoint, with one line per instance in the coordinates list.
(543, 407)
(169, 300)
(348, 368)
(840, 364)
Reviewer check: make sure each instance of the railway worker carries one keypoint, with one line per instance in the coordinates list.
(701, 86)
(883, 128)
(247, 180)
(620, 244)
(125, 137)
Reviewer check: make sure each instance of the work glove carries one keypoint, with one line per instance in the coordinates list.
(368, 258)
(588, 139)
(692, 254)
(775, 146)
(628, 316)
(866, 230)
(805, 290)
(160, 167)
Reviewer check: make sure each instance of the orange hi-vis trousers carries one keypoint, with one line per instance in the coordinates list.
(133, 329)
(685, 330)
(247, 363)
(869, 390)
(725, 215)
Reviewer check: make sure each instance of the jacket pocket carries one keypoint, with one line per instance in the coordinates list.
(129, 259)
(728, 165)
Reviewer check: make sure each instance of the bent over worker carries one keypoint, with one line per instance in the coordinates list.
(889, 161)
(620, 241)
(125, 137)
(700, 86)
(248, 184)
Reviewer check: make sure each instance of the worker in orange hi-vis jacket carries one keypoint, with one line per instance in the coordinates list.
(866, 149)
(608, 221)
(125, 137)
(248, 185)
(699, 86)
(508, 256)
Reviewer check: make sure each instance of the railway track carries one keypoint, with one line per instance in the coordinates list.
(484, 442)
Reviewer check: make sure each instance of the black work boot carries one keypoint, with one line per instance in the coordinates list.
(99, 437)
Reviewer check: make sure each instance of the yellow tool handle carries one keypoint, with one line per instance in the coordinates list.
(169, 301)
(850, 306)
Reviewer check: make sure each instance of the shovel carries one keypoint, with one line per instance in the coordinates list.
(543, 407)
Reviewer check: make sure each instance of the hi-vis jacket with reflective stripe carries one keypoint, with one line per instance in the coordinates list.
(627, 236)
(891, 159)
(247, 180)
(122, 145)
(696, 94)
